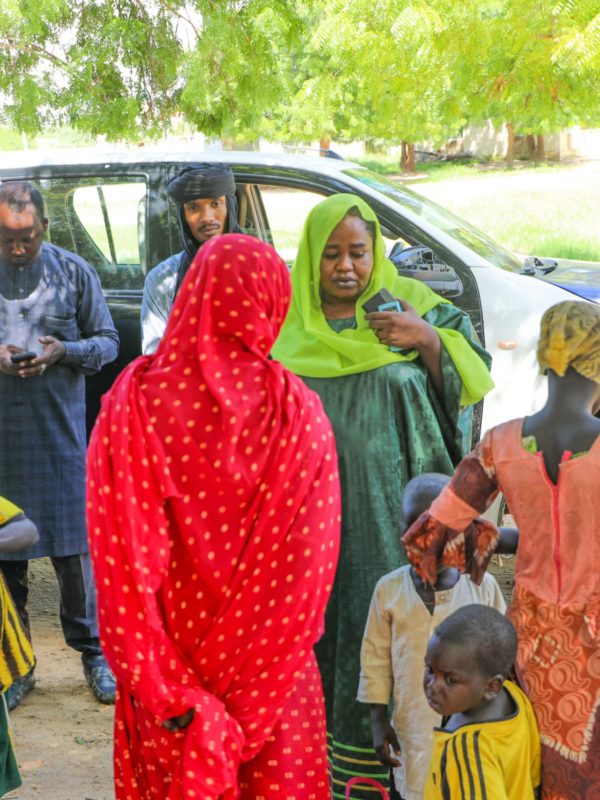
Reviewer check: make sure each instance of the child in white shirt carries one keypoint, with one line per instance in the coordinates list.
(403, 614)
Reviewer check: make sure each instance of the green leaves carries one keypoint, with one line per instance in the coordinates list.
(389, 71)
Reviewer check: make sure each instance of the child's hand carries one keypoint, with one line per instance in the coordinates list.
(385, 742)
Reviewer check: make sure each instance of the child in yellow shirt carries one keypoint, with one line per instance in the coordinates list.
(16, 655)
(488, 747)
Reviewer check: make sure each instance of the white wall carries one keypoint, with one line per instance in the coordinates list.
(486, 140)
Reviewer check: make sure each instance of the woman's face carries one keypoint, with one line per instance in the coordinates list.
(346, 262)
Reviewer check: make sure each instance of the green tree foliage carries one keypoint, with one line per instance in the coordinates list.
(390, 71)
(368, 71)
(103, 66)
(531, 64)
(237, 71)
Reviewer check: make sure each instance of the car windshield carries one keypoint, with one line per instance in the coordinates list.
(442, 219)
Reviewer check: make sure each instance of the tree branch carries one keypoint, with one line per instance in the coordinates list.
(33, 49)
(166, 5)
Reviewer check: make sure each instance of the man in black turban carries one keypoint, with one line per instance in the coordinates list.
(206, 207)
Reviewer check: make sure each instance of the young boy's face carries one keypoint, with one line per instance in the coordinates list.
(453, 682)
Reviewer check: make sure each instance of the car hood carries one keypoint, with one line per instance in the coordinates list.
(580, 277)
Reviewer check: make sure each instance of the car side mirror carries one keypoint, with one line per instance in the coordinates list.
(420, 263)
(535, 265)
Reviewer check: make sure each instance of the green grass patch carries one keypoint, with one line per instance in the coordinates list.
(382, 165)
(448, 170)
(434, 170)
(457, 168)
(546, 225)
(547, 212)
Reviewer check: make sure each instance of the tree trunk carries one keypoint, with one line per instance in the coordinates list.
(324, 144)
(373, 147)
(531, 152)
(510, 145)
(540, 147)
(408, 157)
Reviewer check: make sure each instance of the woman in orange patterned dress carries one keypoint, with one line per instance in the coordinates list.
(548, 467)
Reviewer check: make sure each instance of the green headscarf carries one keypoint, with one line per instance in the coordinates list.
(309, 347)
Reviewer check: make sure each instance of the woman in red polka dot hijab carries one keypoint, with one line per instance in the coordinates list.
(213, 517)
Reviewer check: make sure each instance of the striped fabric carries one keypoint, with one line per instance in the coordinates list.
(347, 762)
(16, 653)
(462, 753)
(8, 510)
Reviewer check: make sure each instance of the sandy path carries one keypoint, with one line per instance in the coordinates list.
(62, 736)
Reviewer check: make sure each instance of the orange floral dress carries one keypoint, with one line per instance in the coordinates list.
(556, 603)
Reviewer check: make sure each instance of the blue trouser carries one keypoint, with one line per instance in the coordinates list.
(77, 599)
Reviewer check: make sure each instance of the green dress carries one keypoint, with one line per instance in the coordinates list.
(10, 777)
(389, 426)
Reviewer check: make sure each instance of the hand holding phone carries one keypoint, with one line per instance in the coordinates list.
(18, 358)
(384, 300)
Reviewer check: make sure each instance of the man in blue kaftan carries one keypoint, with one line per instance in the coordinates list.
(52, 305)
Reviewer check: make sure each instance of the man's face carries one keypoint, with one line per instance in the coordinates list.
(21, 234)
(206, 217)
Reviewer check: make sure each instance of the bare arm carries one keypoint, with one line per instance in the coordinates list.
(17, 533)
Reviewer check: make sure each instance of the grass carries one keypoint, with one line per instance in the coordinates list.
(546, 211)
(435, 170)
(545, 226)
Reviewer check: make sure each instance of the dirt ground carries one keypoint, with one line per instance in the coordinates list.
(62, 736)
(503, 569)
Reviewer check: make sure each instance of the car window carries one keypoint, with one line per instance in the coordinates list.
(103, 220)
(286, 210)
(441, 218)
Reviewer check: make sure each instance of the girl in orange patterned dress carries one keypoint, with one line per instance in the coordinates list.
(548, 467)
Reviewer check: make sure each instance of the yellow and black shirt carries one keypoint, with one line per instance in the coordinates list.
(16, 654)
(495, 760)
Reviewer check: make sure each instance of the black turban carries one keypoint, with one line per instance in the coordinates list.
(201, 180)
(195, 182)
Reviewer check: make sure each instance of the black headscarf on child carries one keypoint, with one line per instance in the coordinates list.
(200, 181)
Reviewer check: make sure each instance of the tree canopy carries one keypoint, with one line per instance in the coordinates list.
(391, 71)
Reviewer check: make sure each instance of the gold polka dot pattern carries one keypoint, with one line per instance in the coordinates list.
(213, 518)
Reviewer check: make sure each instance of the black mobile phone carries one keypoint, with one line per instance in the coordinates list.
(384, 300)
(383, 297)
(16, 358)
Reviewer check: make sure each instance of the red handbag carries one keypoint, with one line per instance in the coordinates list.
(370, 782)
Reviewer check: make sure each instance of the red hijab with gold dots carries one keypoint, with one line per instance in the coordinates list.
(213, 518)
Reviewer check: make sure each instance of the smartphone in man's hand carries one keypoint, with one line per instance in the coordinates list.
(18, 358)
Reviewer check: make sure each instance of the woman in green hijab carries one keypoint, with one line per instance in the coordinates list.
(395, 415)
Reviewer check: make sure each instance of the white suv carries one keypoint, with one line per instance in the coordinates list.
(112, 209)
